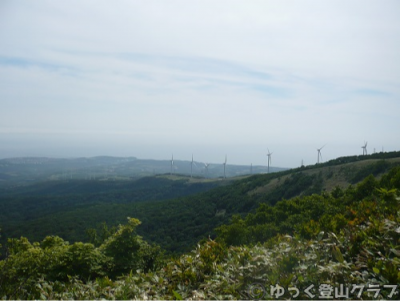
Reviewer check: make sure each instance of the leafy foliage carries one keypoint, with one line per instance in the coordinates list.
(349, 236)
(174, 214)
(356, 254)
(56, 261)
(300, 214)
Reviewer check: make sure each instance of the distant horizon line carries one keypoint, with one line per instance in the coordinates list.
(177, 160)
(130, 157)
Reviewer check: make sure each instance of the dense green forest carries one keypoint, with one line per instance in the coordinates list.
(176, 212)
(342, 244)
(68, 208)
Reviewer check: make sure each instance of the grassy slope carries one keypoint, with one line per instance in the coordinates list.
(341, 175)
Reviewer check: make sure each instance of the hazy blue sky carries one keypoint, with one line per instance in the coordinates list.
(152, 78)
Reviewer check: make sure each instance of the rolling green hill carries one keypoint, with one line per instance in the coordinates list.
(176, 211)
(339, 244)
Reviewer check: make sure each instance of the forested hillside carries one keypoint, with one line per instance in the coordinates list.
(68, 208)
(169, 218)
(339, 244)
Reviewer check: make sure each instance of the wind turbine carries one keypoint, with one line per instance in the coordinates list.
(224, 167)
(319, 153)
(206, 169)
(365, 148)
(251, 168)
(269, 158)
(191, 167)
(172, 162)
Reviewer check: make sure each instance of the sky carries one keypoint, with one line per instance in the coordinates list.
(210, 78)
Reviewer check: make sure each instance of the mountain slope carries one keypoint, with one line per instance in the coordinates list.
(178, 224)
(346, 245)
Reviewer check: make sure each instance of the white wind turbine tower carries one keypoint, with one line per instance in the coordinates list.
(191, 167)
(224, 167)
(269, 158)
(365, 148)
(206, 169)
(172, 163)
(319, 153)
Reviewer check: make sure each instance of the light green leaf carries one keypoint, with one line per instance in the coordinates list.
(177, 295)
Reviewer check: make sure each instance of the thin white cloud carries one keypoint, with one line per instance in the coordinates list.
(202, 74)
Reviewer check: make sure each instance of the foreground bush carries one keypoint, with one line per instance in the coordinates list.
(28, 268)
